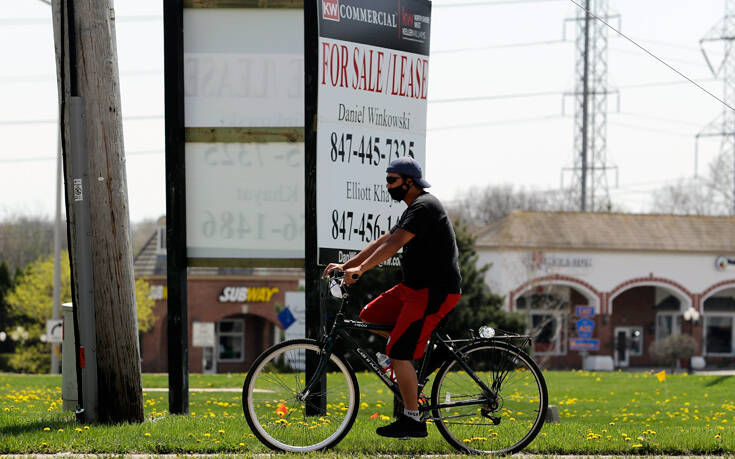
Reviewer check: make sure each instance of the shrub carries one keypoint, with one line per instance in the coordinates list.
(31, 358)
(670, 350)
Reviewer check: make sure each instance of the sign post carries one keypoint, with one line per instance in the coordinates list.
(585, 328)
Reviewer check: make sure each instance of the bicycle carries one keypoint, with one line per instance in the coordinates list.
(488, 397)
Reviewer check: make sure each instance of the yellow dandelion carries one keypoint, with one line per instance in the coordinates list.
(242, 444)
(78, 429)
(86, 427)
(60, 430)
(46, 429)
(147, 434)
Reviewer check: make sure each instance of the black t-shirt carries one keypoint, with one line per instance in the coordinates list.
(430, 259)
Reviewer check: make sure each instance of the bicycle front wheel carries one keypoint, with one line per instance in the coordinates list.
(502, 421)
(273, 407)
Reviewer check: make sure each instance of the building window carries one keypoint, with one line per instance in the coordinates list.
(230, 337)
(636, 341)
(667, 324)
(547, 329)
(161, 241)
(718, 334)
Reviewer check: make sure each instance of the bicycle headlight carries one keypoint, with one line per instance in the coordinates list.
(486, 332)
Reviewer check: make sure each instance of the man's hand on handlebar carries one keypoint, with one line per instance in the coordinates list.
(352, 275)
(331, 267)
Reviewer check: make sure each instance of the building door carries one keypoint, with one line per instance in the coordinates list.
(628, 342)
(209, 362)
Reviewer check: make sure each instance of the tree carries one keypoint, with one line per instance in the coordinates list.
(25, 238)
(30, 298)
(477, 207)
(30, 301)
(709, 195)
(6, 283)
(478, 305)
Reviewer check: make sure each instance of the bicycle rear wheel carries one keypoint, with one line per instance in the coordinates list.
(283, 422)
(501, 422)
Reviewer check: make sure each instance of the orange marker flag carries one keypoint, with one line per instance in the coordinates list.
(661, 375)
(282, 410)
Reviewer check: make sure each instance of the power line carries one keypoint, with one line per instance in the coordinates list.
(649, 129)
(500, 46)
(670, 59)
(497, 123)
(658, 118)
(51, 77)
(653, 56)
(47, 21)
(54, 120)
(50, 158)
(662, 83)
(519, 95)
(529, 94)
(490, 3)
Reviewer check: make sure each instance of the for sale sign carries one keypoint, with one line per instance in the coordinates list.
(372, 92)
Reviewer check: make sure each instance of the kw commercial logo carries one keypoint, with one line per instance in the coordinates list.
(330, 10)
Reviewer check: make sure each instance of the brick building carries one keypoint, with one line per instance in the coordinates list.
(242, 303)
(641, 278)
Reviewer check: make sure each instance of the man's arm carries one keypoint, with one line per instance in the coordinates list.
(359, 258)
(387, 246)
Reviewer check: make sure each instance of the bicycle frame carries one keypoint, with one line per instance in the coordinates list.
(341, 328)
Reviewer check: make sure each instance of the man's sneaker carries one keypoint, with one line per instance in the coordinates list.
(403, 427)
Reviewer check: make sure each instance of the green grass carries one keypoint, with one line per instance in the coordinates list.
(601, 413)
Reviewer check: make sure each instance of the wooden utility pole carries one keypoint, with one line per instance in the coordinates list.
(92, 139)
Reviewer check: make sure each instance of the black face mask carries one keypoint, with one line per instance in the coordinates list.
(399, 192)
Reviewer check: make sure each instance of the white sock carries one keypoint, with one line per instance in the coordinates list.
(412, 414)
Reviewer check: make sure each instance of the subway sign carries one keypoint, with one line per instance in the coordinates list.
(247, 294)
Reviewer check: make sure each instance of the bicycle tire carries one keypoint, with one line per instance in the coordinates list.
(278, 419)
(503, 426)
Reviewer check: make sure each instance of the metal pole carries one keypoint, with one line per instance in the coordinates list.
(82, 235)
(314, 306)
(585, 103)
(56, 296)
(176, 261)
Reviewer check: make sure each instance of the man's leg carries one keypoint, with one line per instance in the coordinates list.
(407, 382)
(408, 423)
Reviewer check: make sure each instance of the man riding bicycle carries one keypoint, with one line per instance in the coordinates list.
(430, 287)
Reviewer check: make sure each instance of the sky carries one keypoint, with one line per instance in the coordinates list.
(497, 113)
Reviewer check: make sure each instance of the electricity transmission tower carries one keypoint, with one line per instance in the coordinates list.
(724, 125)
(590, 168)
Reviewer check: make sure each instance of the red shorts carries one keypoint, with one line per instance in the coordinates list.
(414, 314)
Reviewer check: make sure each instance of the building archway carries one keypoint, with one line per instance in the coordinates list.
(685, 297)
(593, 297)
(642, 311)
(718, 320)
(549, 305)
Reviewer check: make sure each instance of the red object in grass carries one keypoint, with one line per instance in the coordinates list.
(282, 410)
